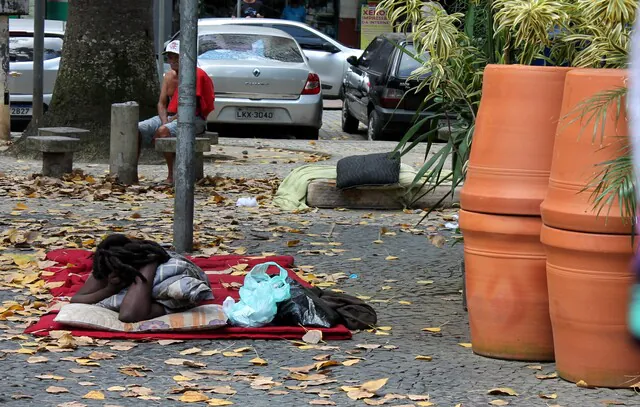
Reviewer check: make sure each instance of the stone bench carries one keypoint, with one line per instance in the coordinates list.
(202, 144)
(57, 153)
(323, 193)
(63, 131)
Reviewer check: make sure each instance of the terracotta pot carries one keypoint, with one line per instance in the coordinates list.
(576, 156)
(506, 286)
(510, 159)
(590, 285)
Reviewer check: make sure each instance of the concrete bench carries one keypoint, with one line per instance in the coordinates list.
(63, 131)
(57, 153)
(203, 144)
(324, 194)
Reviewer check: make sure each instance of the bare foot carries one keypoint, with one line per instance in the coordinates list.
(168, 181)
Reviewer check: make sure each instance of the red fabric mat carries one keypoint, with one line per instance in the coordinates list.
(75, 266)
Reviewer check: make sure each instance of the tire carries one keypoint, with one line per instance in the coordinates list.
(349, 123)
(308, 133)
(374, 129)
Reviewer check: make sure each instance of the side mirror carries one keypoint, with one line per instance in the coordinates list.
(329, 47)
(353, 60)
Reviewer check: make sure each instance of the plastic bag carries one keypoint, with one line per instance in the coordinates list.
(305, 308)
(259, 297)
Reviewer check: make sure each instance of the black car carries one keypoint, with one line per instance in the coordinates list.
(377, 91)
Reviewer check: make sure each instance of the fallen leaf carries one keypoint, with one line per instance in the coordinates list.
(232, 354)
(165, 342)
(180, 378)
(465, 345)
(498, 402)
(258, 362)
(116, 388)
(425, 403)
(359, 394)
(190, 351)
(502, 391)
(583, 384)
(548, 396)
(424, 282)
(432, 329)
(37, 359)
(612, 403)
(437, 240)
(350, 362)
(101, 356)
(228, 390)
(94, 395)
(534, 367)
(56, 390)
(374, 385)
(425, 358)
(312, 337)
(405, 302)
(80, 371)
(375, 402)
(193, 397)
(546, 376)
(320, 402)
(219, 402)
(391, 258)
(243, 349)
(49, 377)
(368, 346)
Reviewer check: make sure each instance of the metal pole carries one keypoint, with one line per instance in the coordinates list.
(5, 117)
(238, 8)
(162, 36)
(184, 173)
(38, 62)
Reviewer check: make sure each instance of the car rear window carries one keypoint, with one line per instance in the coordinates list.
(408, 64)
(21, 48)
(248, 47)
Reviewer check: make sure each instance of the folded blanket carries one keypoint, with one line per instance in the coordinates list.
(178, 284)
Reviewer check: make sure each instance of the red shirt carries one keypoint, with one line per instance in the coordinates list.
(205, 95)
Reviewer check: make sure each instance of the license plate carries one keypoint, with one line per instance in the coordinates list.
(254, 114)
(21, 110)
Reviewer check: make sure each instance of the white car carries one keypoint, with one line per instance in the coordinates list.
(261, 77)
(21, 65)
(327, 57)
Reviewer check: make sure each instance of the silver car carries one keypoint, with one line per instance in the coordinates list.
(21, 65)
(327, 57)
(261, 77)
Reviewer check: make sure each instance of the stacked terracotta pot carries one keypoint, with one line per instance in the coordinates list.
(588, 254)
(507, 179)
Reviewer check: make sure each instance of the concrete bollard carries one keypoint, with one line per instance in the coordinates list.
(123, 155)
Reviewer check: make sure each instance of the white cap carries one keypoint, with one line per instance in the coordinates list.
(173, 46)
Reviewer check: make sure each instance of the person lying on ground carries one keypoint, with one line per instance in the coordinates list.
(140, 280)
(165, 124)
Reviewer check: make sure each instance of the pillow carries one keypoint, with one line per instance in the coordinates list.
(368, 170)
(88, 316)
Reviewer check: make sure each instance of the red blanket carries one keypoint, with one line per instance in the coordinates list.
(75, 266)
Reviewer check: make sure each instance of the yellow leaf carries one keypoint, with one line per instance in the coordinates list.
(193, 397)
(424, 282)
(94, 395)
(37, 359)
(432, 329)
(292, 243)
(502, 391)
(384, 328)
(582, 384)
(219, 402)
(465, 345)
(498, 402)
(359, 394)
(391, 258)
(405, 302)
(386, 287)
(350, 362)
(425, 403)
(347, 389)
(20, 207)
(117, 388)
(190, 351)
(355, 259)
(180, 378)
(244, 349)
(546, 376)
(374, 385)
(426, 358)
(87, 362)
(232, 354)
(378, 241)
(548, 396)
(258, 362)
(240, 267)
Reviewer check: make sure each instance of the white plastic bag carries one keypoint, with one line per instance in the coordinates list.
(259, 297)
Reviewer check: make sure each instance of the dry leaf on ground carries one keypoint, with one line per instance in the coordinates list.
(94, 395)
(374, 385)
(312, 337)
(498, 402)
(502, 391)
(193, 397)
(56, 390)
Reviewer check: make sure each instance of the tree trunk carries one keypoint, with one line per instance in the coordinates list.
(108, 57)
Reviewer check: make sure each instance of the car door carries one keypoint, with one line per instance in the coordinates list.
(357, 81)
(377, 72)
(324, 58)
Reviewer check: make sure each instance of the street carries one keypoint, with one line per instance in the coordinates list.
(411, 279)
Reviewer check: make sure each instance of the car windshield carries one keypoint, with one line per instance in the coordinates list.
(408, 64)
(21, 48)
(240, 47)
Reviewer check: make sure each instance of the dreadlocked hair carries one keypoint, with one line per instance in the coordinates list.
(124, 257)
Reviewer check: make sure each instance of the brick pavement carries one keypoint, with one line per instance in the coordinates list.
(454, 376)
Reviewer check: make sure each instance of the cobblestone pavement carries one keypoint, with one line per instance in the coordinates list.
(411, 283)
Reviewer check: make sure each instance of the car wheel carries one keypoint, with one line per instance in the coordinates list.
(309, 133)
(349, 123)
(374, 130)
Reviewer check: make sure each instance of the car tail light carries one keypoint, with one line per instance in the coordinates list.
(391, 98)
(312, 87)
